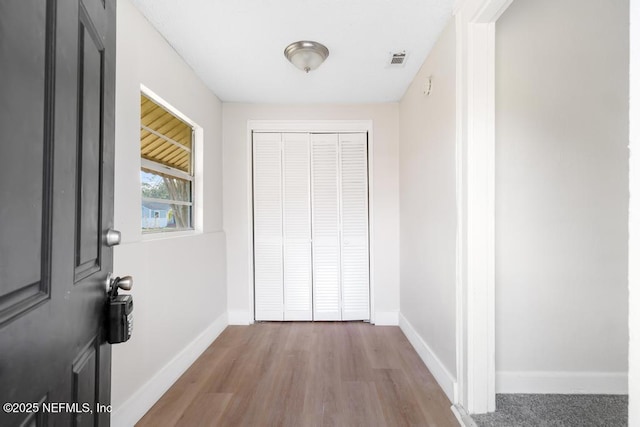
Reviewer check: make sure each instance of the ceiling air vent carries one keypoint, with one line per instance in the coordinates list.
(397, 59)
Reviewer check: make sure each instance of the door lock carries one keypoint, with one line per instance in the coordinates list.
(119, 309)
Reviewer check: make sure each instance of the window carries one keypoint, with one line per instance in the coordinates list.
(166, 175)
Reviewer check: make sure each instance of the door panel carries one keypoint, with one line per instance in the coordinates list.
(26, 153)
(325, 202)
(296, 226)
(354, 213)
(88, 181)
(84, 381)
(267, 226)
(56, 202)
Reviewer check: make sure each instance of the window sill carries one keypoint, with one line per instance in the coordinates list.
(164, 235)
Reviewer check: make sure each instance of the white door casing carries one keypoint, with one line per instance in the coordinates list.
(475, 195)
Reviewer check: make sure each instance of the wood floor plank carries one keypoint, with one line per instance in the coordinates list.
(380, 353)
(305, 374)
(205, 410)
(360, 404)
(168, 410)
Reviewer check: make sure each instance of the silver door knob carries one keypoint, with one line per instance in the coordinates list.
(112, 238)
(125, 283)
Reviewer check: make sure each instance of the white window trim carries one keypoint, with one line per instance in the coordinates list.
(169, 234)
(168, 202)
(160, 168)
(309, 126)
(197, 177)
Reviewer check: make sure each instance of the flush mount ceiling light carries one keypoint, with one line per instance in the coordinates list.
(306, 55)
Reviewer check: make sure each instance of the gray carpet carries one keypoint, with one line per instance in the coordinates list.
(562, 410)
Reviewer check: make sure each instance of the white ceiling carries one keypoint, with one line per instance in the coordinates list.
(236, 46)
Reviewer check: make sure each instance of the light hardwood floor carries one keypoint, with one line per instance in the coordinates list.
(305, 374)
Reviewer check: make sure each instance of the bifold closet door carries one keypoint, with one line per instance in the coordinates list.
(311, 226)
(354, 214)
(282, 226)
(296, 226)
(340, 226)
(325, 214)
(267, 226)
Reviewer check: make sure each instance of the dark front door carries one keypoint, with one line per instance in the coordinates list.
(57, 77)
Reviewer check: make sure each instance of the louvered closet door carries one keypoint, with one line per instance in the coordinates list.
(297, 226)
(325, 214)
(267, 226)
(354, 212)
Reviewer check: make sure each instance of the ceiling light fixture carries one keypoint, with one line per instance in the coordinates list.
(306, 55)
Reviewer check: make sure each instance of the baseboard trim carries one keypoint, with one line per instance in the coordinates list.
(435, 366)
(382, 318)
(561, 382)
(464, 419)
(131, 411)
(387, 318)
(239, 317)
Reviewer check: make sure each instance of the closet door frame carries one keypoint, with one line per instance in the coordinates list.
(310, 126)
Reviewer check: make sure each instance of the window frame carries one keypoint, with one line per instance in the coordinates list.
(163, 169)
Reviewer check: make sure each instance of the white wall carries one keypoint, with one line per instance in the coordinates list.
(179, 283)
(634, 220)
(562, 196)
(385, 188)
(428, 211)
